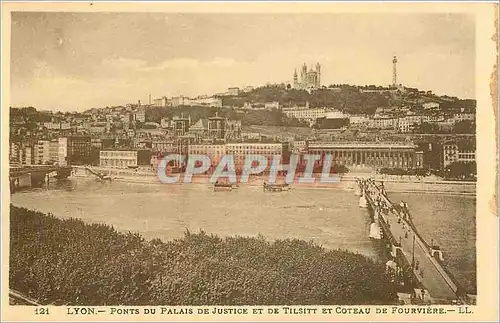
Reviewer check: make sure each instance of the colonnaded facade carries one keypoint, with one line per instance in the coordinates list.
(375, 155)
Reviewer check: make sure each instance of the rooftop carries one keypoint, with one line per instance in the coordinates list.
(360, 145)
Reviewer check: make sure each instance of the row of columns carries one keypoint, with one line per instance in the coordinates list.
(379, 158)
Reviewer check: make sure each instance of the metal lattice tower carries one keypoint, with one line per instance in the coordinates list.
(394, 71)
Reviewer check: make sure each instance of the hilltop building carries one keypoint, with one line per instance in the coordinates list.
(309, 79)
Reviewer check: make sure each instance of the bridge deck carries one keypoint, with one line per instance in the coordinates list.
(433, 277)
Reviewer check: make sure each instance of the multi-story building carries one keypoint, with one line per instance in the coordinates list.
(209, 101)
(161, 102)
(79, 149)
(52, 125)
(458, 153)
(217, 128)
(309, 115)
(233, 129)
(431, 105)
(62, 151)
(54, 151)
(96, 143)
(383, 123)
(27, 158)
(162, 146)
(446, 125)
(250, 135)
(433, 118)
(213, 151)
(240, 150)
(42, 152)
(299, 147)
(408, 123)
(14, 153)
(140, 115)
(358, 120)
(118, 158)
(464, 116)
(181, 126)
(374, 155)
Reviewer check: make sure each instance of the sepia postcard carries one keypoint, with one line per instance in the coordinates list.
(249, 161)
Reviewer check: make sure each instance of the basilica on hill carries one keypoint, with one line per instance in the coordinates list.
(309, 79)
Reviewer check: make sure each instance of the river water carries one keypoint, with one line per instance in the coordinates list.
(329, 217)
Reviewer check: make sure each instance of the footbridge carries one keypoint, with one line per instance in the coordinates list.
(421, 260)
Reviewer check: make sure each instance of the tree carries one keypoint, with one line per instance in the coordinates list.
(461, 170)
(464, 126)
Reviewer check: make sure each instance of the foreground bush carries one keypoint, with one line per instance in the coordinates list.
(71, 262)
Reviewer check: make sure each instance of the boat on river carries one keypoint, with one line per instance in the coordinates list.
(276, 187)
(219, 186)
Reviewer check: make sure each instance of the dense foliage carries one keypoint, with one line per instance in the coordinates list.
(71, 262)
(461, 170)
(349, 99)
(272, 117)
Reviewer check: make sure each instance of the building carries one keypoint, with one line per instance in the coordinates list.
(79, 149)
(233, 129)
(140, 115)
(162, 146)
(213, 151)
(271, 105)
(42, 152)
(96, 143)
(241, 150)
(335, 114)
(383, 123)
(408, 123)
(52, 125)
(217, 128)
(14, 153)
(358, 120)
(233, 91)
(164, 123)
(458, 153)
(160, 102)
(309, 79)
(181, 126)
(62, 151)
(207, 101)
(446, 125)
(118, 158)
(299, 147)
(309, 115)
(250, 135)
(430, 105)
(374, 155)
(464, 116)
(27, 158)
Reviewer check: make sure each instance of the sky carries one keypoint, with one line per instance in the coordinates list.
(77, 61)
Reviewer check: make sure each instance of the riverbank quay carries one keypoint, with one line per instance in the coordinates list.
(393, 183)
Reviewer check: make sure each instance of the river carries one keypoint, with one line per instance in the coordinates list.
(329, 217)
